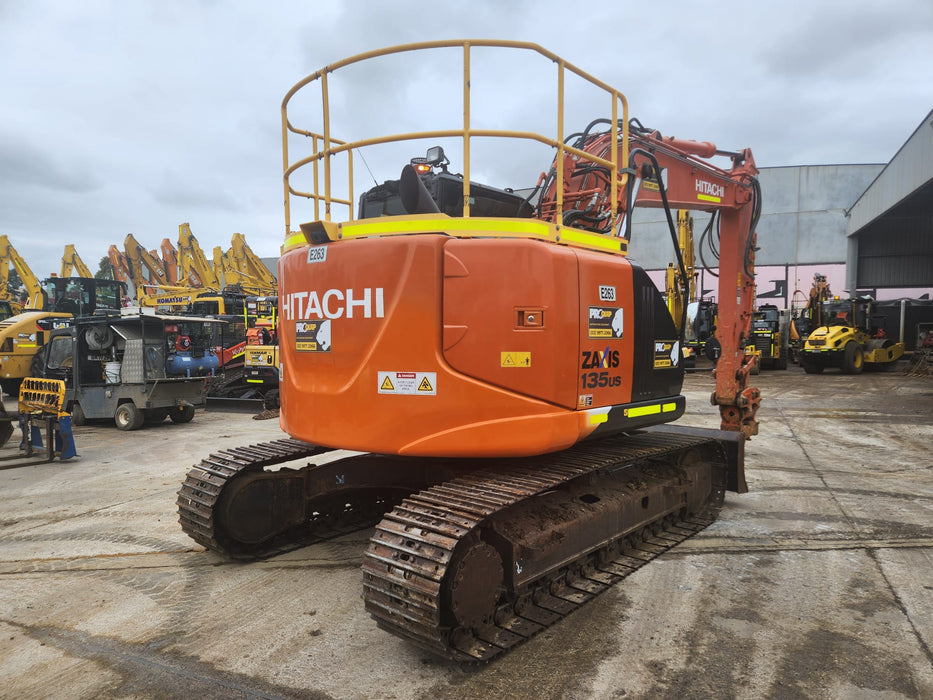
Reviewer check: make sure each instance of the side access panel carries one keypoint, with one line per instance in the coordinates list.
(511, 316)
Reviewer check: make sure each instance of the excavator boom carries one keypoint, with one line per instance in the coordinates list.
(193, 265)
(71, 261)
(10, 258)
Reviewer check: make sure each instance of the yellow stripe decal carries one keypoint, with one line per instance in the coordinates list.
(644, 411)
(482, 227)
(597, 418)
(668, 407)
(709, 198)
(297, 239)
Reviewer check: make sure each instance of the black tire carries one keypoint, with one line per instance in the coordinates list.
(811, 367)
(155, 415)
(853, 359)
(270, 401)
(36, 367)
(77, 415)
(181, 414)
(11, 387)
(128, 417)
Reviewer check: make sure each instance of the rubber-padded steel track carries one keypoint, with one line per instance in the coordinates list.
(413, 548)
(205, 482)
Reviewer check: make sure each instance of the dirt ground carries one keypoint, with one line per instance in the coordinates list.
(817, 583)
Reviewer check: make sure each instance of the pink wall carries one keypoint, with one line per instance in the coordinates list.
(778, 284)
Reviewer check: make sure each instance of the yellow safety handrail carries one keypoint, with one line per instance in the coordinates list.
(325, 146)
(41, 396)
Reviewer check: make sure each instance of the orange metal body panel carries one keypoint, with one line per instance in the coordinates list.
(495, 327)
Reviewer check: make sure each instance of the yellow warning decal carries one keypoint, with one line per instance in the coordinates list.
(709, 198)
(515, 359)
(407, 383)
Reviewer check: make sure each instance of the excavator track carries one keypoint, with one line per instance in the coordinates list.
(472, 567)
(233, 504)
(201, 491)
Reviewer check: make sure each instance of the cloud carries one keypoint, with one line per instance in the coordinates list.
(120, 117)
(23, 165)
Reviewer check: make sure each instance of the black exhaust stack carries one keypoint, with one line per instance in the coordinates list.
(414, 195)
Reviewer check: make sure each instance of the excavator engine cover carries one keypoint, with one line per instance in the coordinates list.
(471, 347)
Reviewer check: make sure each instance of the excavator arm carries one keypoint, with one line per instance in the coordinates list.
(72, 261)
(193, 264)
(254, 276)
(673, 173)
(120, 266)
(145, 270)
(10, 258)
(170, 261)
(678, 289)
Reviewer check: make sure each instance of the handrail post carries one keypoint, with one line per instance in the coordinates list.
(466, 130)
(285, 185)
(559, 185)
(314, 172)
(614, 179)
(325, 98)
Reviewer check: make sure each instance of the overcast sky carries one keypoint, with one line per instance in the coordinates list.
(136, 116)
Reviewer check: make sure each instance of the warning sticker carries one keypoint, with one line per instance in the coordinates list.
(605, 322)
(312, 336)
(666, 353)
(408, 383)
(515, 359)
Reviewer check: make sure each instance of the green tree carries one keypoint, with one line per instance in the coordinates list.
(14, 284)
(104, 269)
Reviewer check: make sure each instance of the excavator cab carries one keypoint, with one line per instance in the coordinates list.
(80, 296)
(439, 191)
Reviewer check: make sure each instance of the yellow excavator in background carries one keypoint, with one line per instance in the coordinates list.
(145, 270)
(71, 261)
(255, 277)
(241, 267)
(193, 266)
(680, 280)
(10, 258)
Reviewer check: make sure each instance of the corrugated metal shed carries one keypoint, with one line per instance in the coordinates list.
(803, 218)
(890, 226)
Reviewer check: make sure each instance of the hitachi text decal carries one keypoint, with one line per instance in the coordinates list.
(335, 303)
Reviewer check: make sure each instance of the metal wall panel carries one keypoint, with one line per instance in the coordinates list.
(803, 217)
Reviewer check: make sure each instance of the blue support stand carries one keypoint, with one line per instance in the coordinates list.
(65, 439)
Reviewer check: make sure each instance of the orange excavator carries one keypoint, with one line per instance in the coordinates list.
(502, 369)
